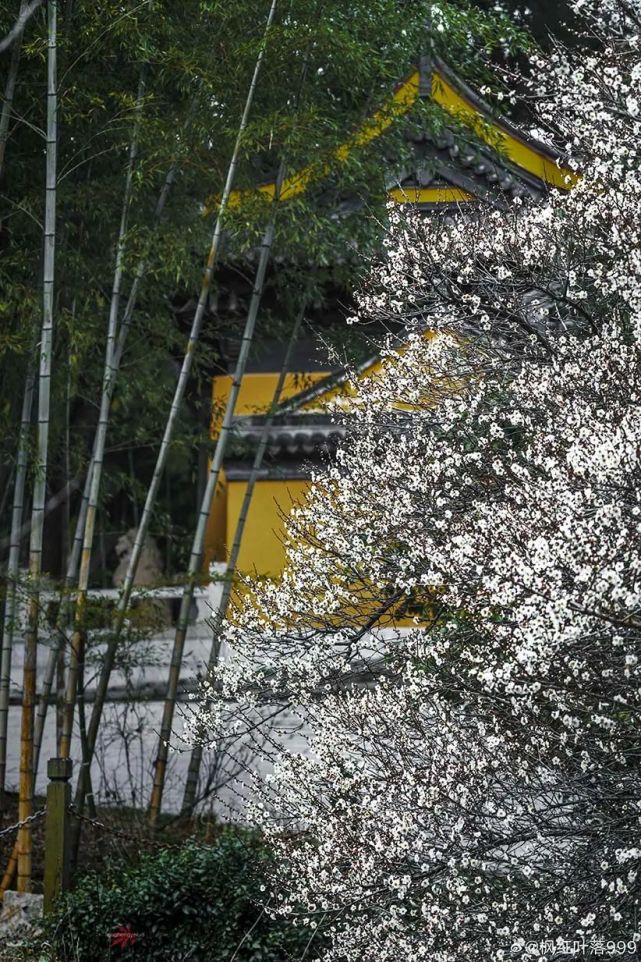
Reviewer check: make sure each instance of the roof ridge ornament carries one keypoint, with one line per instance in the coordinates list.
(425, 70)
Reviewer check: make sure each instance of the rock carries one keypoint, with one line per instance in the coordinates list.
(20, 916)
(149, 574)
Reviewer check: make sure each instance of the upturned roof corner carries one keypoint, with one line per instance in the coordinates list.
(500, 161)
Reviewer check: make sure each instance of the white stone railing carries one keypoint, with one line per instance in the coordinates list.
(206, 599)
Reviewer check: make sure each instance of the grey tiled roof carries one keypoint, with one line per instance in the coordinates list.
(296, 435)
(450, 159)
(446, 162)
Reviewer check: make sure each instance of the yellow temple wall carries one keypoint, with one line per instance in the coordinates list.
(262, 551)
(261, 547)
(256, 392)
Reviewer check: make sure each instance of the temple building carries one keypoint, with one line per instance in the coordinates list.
(497, 164)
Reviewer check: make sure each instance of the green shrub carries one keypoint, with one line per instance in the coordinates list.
(198, 903)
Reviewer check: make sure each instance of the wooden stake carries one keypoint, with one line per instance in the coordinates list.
(57, 862)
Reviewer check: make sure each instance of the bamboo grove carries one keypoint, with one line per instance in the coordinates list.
(124, 128)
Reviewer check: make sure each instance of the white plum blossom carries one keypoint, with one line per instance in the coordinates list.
(471, 784)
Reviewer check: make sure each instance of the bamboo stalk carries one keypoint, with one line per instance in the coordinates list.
(13, 567)
(195, 761)
(54, 655)
(109, 376)
(191, 346)
(74, 559)
(59, 678)
(7, 488)
(9, 92)
(230, 571)
(139, 275)
(82, 718)
(25, 798)
(58, 648)
(66, 547)
(212, 259)
(27, 10)
(198, 544)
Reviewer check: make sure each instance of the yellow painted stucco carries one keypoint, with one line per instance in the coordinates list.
(256, 392)
(261, 550)
(429, 195)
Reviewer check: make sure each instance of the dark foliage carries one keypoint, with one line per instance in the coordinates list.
(199, 902)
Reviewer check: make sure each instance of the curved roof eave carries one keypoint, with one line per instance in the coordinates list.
(434, 79)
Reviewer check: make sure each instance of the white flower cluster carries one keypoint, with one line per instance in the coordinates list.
(471, 784)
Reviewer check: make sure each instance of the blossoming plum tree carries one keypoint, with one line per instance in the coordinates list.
(471, 787)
